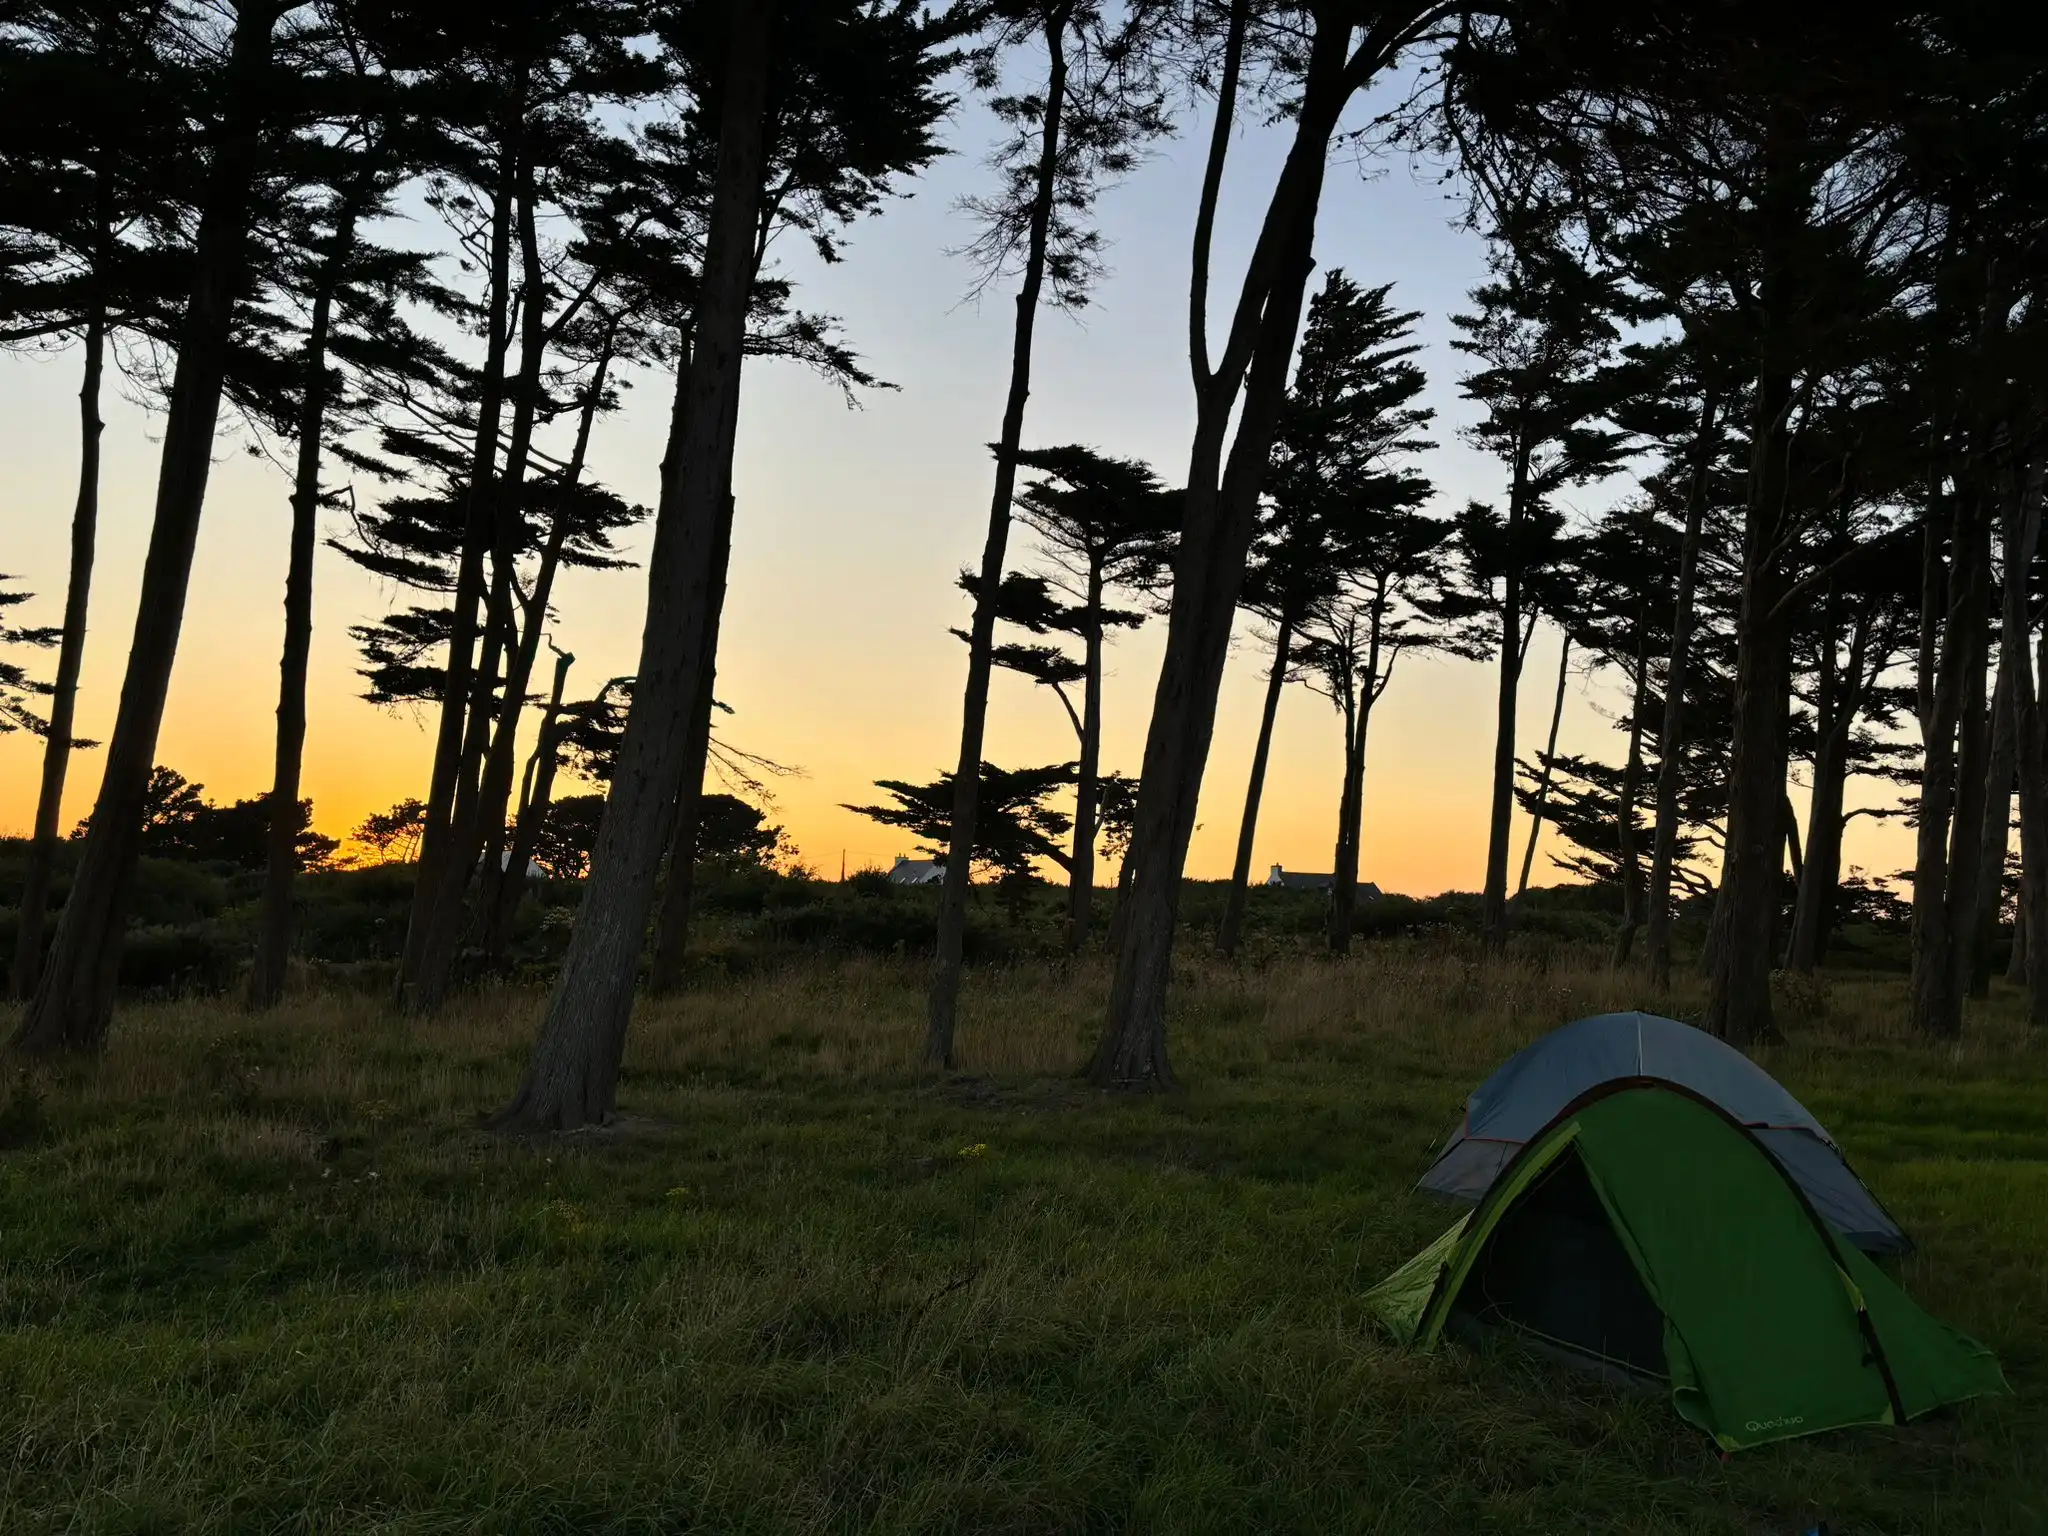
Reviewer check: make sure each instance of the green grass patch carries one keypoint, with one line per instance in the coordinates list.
(266, 1274)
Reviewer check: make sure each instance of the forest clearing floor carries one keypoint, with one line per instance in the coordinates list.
(266, 1273)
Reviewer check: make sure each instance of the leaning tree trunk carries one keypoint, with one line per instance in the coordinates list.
(949, 951)
(74, 1000)
(1231, 933)
(281, 858)
(671, 956)
(1081, 878)
(434, 875)
(572, 1079)
(672, 922)
(1216, 531)
(1671, 739)
(1564, 661)
(59, 744)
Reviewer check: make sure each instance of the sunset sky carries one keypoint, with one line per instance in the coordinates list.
(851, 525)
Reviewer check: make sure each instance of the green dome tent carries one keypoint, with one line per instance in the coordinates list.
(1645, 1233)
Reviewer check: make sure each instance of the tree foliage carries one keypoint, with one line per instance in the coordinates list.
(1018, 826)
(179, 822)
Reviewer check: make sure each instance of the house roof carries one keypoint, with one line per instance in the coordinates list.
(1295, 880)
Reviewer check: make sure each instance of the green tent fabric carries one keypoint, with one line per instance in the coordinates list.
(1645, 1230)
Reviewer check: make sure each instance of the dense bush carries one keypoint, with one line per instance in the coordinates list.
(194, 922)
(355, 915)
(168, 960)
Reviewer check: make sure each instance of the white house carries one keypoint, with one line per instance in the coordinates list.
(917, 872)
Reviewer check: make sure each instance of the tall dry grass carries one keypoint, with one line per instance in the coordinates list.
(858, 1021)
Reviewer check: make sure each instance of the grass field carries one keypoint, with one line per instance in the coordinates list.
(267, 1275)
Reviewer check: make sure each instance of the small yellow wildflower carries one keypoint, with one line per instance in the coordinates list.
(979, 1149)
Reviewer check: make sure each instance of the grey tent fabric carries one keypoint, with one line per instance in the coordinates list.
(1535, 1084)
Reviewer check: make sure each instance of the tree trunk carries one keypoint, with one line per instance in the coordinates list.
(74, 1000)
(1081, 878)
(670, 961)
(1671, 739)
(505, 877)
(521, 632)
(1216, 530)
(1742, 940)
(1998, 786)
(1344, 887)
(1746, 910)
(1950, 733)
(1232, 931)
(1564, 661)
(949, 950)
(572, 1080)
(1966, 861)
(672, 923)
(476, 838)
(1821, 879)
(2022, 528)
(1351, 832)
(1493, 900)
(442, 862)
(1344, 861)
(281, 861)
(436, 964)
(1839, 697)
(1937, 720)
(534, 799)
(1954, 798)
(1630, 858)
(58, 744)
